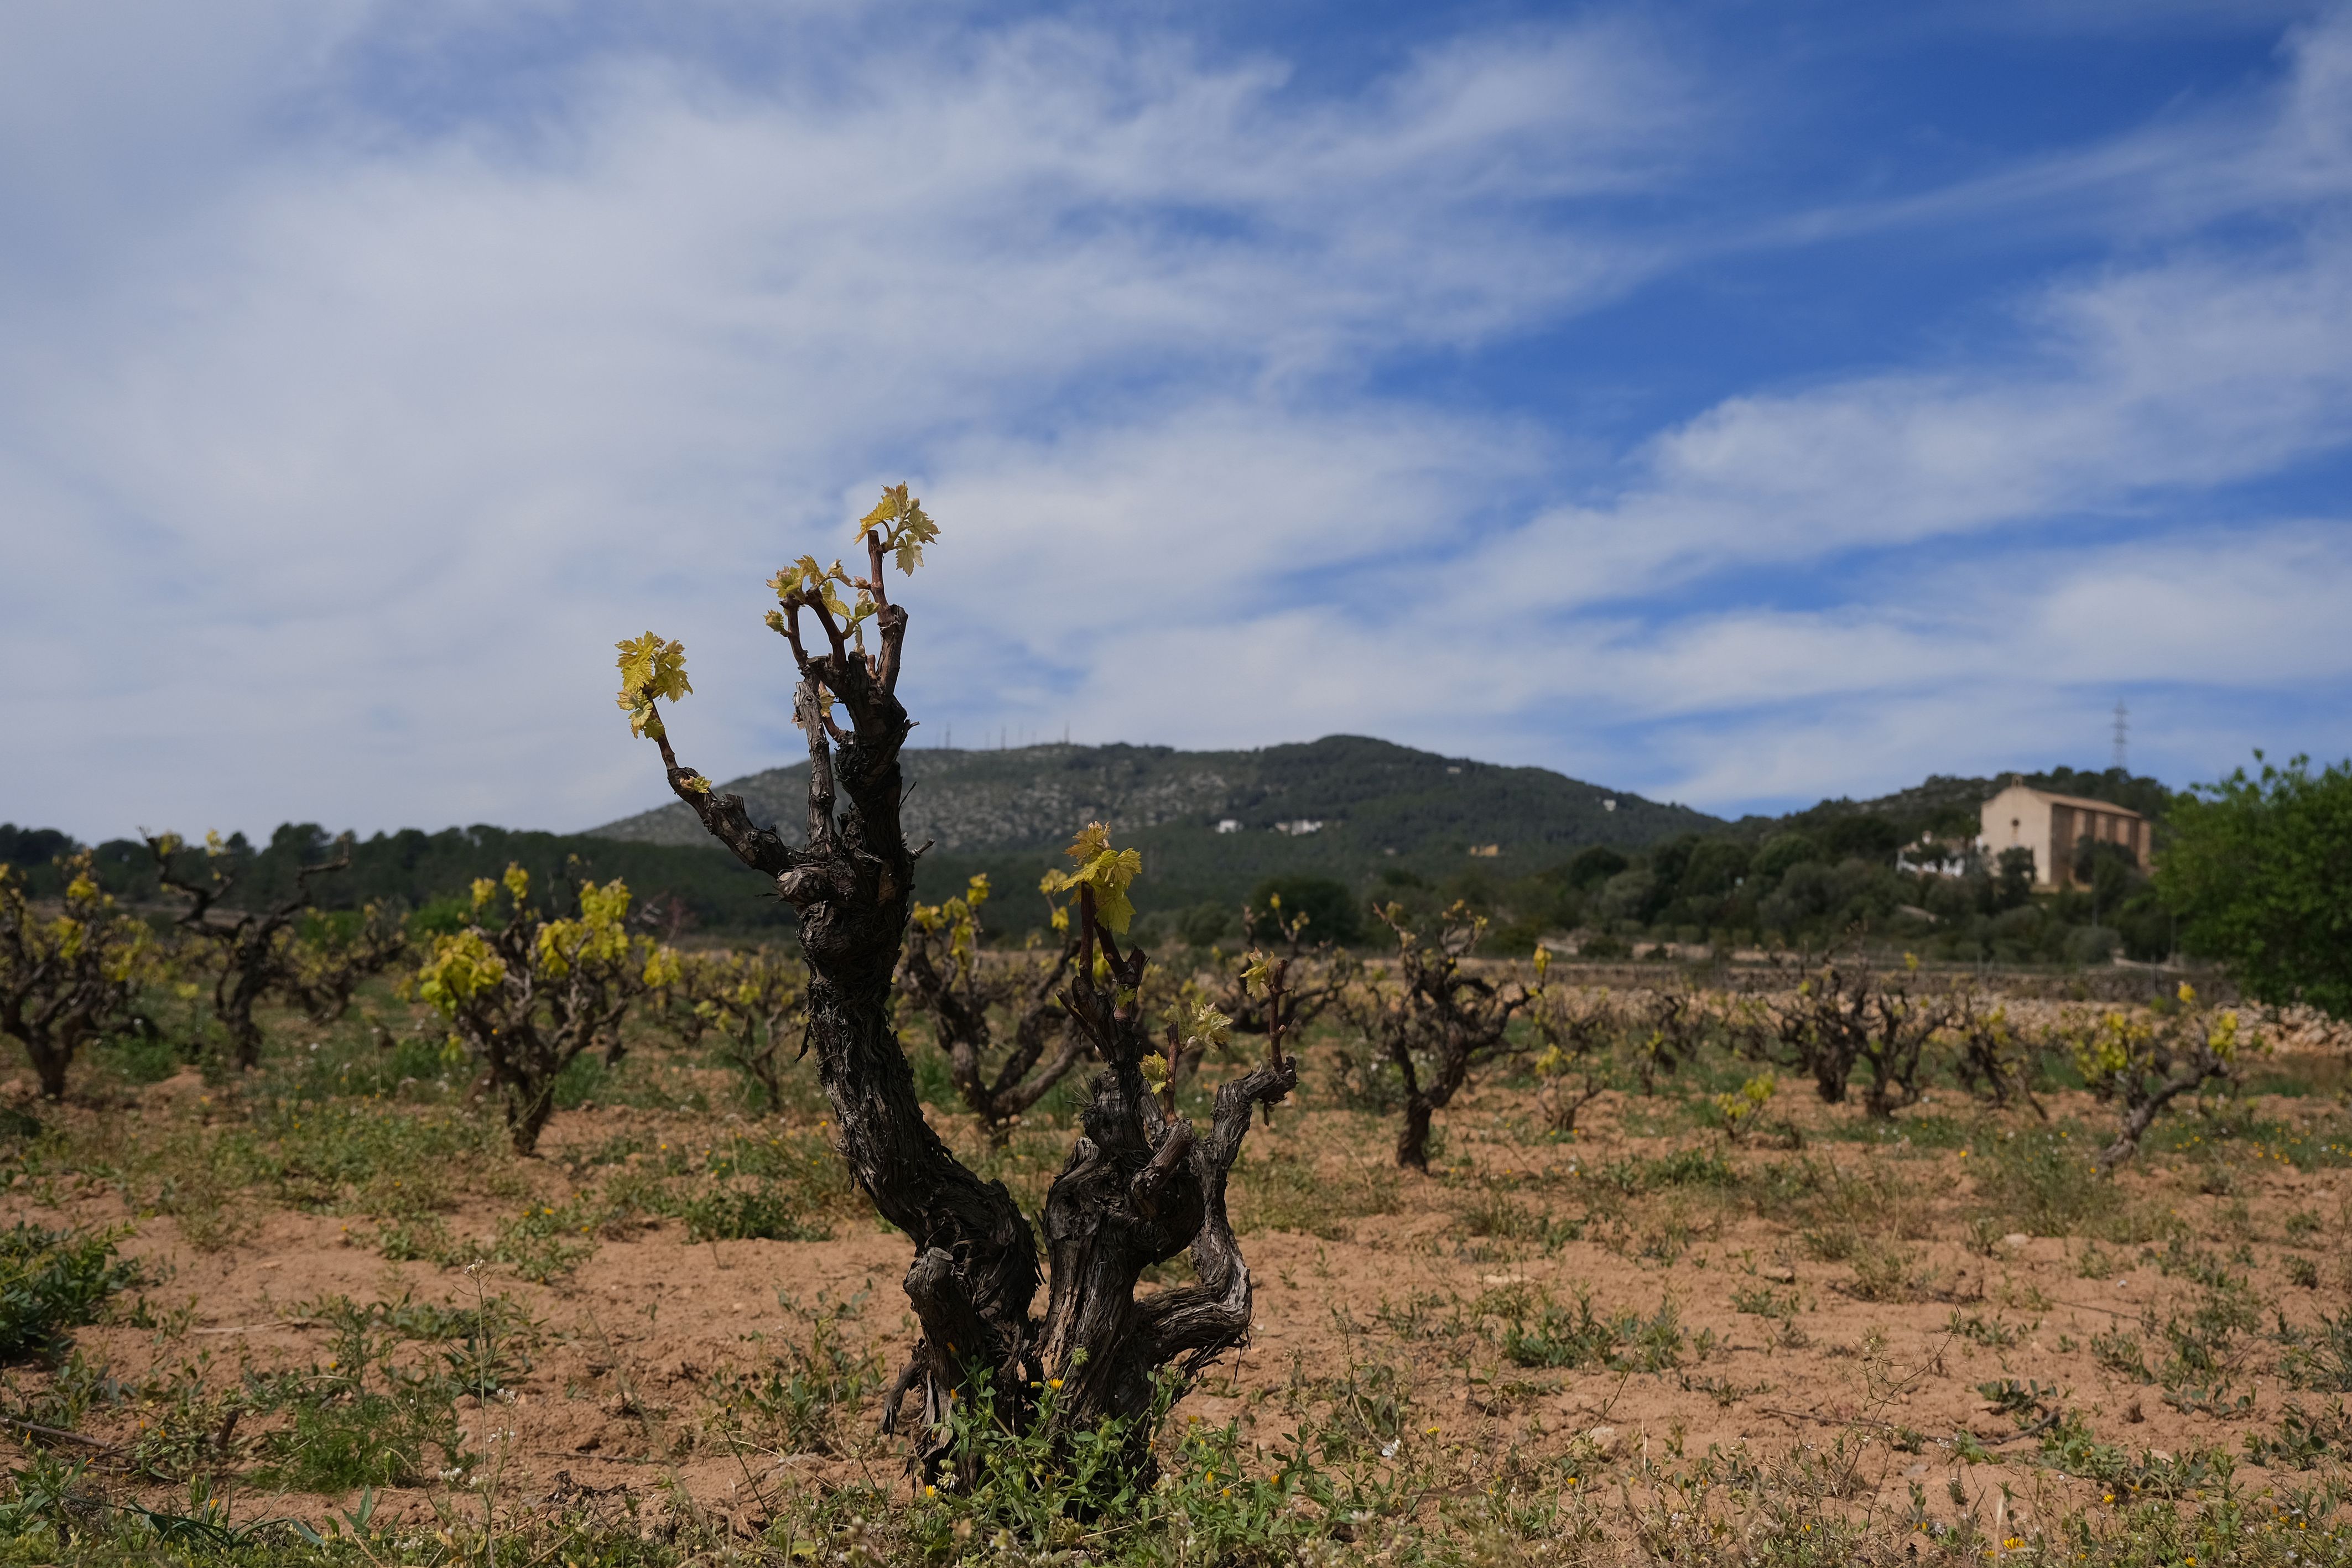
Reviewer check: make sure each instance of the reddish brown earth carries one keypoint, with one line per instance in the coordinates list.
(633, 1344)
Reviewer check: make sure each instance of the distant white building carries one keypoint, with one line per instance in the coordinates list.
(2020, 817)
(1933, 856)
(1229, 824)
(1303, 825)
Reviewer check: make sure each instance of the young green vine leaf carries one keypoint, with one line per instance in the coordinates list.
(651, 670)
(1105, 870)
(904, 525)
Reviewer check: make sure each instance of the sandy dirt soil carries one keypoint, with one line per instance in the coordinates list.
(1370, 1282)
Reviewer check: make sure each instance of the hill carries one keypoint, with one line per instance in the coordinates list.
(1374, 805)
(1382, 795)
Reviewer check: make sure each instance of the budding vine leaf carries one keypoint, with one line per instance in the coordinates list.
(1257, 976)
(1105, 870)
(1207, 1026)
(651, 670)
(805, 582)
(904, 525)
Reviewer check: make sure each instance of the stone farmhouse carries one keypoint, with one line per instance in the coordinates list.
(2052, 825)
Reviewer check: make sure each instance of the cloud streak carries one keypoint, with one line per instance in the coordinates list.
(344, 425)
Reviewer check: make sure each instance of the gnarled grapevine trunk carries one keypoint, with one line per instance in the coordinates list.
(1141, 1184)
(959, 998)
(254, 951)
(1441, 1017)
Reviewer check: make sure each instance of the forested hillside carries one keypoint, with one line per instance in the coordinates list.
(1540, 853)
(1386, 798)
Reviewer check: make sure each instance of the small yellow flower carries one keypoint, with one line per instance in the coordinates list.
(1053, 1383)
(930, 1492)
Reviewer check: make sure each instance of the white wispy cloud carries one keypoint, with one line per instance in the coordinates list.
(341, 432)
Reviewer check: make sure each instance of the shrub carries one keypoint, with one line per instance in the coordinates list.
(253, 954)
(2140, 1064)
(1992, 1058)
(1316, 974)
(1742, 1110)
(1436, 1019)
(2259, 870)
(1280, 906)
(756, 1001)
(1580, 1031)
(531, 996)
(1667, 1032)
(52, 1281)
(1141, 1185)
(1843, 1016)
(67, 978)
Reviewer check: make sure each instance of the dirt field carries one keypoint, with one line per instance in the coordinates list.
(1942, 1335)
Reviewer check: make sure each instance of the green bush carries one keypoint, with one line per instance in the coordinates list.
(1578, 1336)
(739, 1213)
(2260, 870)
(1043, 1495)
(52, 1281)
(1329, 906)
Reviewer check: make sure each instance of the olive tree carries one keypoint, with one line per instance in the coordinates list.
(1141, 1185)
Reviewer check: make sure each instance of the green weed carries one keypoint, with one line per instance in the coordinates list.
(1577, 1336)
(1288, 1191)
(804, 1401)
(1976, 1328)
(51, 1282)
(2305, 1440)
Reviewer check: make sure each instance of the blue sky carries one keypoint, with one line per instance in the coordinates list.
(1739, 403)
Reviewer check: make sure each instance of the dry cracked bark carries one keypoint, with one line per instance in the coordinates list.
(1141, 1184)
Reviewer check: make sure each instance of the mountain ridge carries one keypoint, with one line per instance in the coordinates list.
(1394, 800)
